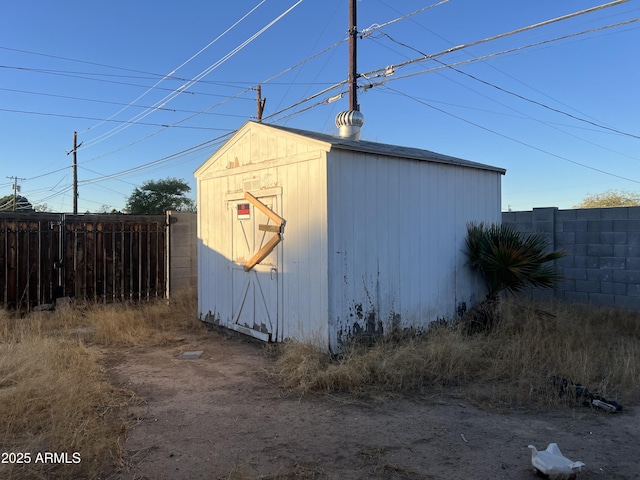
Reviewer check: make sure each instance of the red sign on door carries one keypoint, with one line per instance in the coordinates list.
(244, 211)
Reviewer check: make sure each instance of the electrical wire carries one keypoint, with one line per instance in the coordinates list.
(194, 149)
(227, 99)
(186, 62)
(237, 95)
(511, 138)
(326, 90)
(295, 78)
(546, 123)
(370, 30)
(89, 75)
(201, 75)
(302, 62)
(205, 145)
(297, 112)
(376, 74)
(315, 95)
(162, 129)
(268, 80)
(148, 74)
(173, 156)
(494, 67)
(517, 95)
(382, 71)
(62, 74)
(61, 115)
(503, 52)
(216, 105)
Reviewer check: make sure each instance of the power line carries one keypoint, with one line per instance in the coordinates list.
(151, 76)
(517, 95)
(309, 58)
(464, 62)
(315, 95)
(370, 30)
(241, 93)
(205, 145)
(270, 80)
(61, 115)
(228, 83)
(491, 65)
(228, 99)
(63, 74)
(154, 75)
(290, 107)
(194, 149)
(150, 164)
(206, 111)
(382, 71)
(201, 75)
(390, 70)
(184, 63)
(553, 125)
(142, 139)
(190, 150)
(511, 138)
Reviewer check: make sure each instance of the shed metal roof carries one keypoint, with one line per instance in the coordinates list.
(386, 149)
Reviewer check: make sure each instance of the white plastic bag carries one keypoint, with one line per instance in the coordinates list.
(551, 462)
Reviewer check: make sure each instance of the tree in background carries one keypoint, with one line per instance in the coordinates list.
(42, 208)
(22, 204)
(108, 210)
(156, 197)
(610, 198)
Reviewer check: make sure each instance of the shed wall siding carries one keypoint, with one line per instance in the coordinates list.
(304, 269)
(397, 230)
(259, 161)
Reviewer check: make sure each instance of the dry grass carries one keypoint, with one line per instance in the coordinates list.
(514, 365)
(54, 394)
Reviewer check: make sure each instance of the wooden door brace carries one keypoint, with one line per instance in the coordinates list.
(278, 229)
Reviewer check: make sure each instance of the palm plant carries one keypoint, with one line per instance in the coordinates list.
(508, 261)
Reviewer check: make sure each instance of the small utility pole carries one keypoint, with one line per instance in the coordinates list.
(261, 101)
(16, 189)
(353, 50)
(75, 172)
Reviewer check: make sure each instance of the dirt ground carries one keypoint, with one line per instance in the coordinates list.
(222, 417)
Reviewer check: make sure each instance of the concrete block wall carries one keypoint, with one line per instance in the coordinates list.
(602, 266)
(182, 251)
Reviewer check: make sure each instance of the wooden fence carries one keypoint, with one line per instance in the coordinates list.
(102, 258)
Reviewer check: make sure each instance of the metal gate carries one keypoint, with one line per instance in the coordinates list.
(100, 258)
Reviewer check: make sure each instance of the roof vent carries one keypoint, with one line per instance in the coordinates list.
(349, 124)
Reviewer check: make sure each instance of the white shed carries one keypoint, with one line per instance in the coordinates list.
(309, 236)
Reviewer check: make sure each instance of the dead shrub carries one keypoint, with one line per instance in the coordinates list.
(54, 394)
(55, 398)
(512, 364)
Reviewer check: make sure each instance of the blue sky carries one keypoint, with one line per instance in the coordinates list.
(561, 115)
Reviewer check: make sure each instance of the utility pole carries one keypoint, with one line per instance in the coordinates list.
(353, 50)
(261, 102)
(16, 189)
(75, 172)
(350, 121)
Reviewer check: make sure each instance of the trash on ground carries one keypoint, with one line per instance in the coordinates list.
(584, 396)
(190, 355)
(551, 462)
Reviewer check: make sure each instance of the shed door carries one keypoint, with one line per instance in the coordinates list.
(254, 291)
